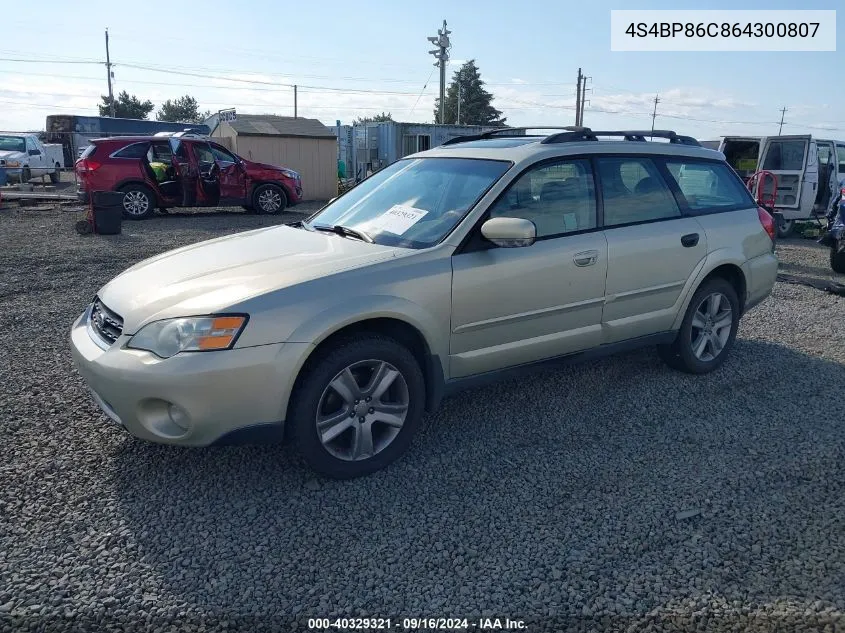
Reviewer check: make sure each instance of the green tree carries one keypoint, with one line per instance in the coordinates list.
(379, 118)
(476, 102)
(182, 110)
(126, 106)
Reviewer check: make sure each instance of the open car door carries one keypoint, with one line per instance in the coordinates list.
(794, 160)
(208, 185)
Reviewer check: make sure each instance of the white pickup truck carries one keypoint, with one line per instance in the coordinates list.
(24, 157)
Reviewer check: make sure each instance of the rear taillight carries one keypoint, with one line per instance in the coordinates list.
(768, 222)
(86, 165)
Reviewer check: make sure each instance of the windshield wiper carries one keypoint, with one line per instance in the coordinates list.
(344, 231)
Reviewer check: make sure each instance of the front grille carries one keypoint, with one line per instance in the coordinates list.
(107, 324)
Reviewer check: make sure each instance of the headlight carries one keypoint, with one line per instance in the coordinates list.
(13, 163)
(190, 334)
(290, 174)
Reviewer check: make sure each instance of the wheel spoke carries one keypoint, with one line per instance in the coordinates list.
(725, 320)
(382, 378)
(698, 320)
(362, 445)
(346, 386)
(713, 304)
(715, 344)
(700, 345)
(332, 426)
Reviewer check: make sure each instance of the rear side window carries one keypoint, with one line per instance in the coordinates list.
(785, 155)
(708, 186)
(136, 150)
(634, 191)
(89, 151)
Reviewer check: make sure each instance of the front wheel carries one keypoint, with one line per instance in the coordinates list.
(269, 199)
(56, 175)
(708, 330)
(357, 406)
(26, 175)
(837, 261)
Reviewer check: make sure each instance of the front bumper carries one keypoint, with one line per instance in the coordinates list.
(219, 395)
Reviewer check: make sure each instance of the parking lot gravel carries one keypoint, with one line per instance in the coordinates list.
(617, 495)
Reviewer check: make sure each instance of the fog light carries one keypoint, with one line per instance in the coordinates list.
(178, 416)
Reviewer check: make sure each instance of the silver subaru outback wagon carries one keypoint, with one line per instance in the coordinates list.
(466, 262)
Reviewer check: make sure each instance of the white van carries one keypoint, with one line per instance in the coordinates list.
(808, 171)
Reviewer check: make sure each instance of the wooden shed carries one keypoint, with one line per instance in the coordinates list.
(304, 145)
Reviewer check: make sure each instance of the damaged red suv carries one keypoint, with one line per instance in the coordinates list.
(182, 170)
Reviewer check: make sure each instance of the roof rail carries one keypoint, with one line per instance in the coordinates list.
(586, 134)
(505, 132)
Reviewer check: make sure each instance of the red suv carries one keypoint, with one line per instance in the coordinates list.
(182, 170)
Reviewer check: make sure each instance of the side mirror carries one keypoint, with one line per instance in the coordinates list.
(509, 232)
(34, 152)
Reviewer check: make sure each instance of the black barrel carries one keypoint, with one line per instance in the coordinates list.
(108, 211)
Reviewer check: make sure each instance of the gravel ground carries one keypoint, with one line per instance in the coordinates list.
(618, 495)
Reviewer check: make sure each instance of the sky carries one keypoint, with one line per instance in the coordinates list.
(352, 59)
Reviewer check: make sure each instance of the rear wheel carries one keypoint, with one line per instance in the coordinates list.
(56, 175)
(837, 261)
(138, 202)
(269, 199)
(708, 330)
(785, 228)
(357, 406)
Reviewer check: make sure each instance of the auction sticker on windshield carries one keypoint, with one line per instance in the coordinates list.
(397, 219)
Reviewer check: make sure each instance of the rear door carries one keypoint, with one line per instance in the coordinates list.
(742, 153)
(652, 250)
(794, 160)
(208, 190)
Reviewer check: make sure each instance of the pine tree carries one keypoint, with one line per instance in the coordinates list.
(476, 102)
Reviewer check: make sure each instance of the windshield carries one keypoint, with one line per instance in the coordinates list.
(12, 144)
(413, 203)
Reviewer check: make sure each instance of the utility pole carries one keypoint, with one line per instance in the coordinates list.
(441, 54)
(782, 114)
(654, 113)
(294, 101)
(108, 74)
(459, 99)
(578, 100)
(583, 98)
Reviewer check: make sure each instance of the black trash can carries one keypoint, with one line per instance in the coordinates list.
(107, 207)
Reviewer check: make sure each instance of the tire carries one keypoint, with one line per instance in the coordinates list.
(681, 354)
(56, 175)
(837, 261)
(26, 175)
(785, 228)
(269, 199)
(138, 202)
(344, 454)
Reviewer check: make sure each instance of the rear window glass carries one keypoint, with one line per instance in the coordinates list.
(785, 155)
(136, 150)
(708, 185)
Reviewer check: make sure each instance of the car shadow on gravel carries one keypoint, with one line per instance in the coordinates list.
(552, 493)
(614, 487)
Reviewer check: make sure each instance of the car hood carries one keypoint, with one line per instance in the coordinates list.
(212, 276)
(254, 165)
(10, 155)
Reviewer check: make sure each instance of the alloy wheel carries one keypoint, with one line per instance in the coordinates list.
(270, 200)
(712, 323)
(136, 203)
(362, 410)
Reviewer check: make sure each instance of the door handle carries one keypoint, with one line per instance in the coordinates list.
(689, 240)
(585, 258)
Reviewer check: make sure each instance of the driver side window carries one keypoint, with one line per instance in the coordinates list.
(222, 155)
(203, 154)
(559, 198)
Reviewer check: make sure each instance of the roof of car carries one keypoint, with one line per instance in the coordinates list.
(504, 145)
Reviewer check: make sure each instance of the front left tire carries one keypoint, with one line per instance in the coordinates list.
(357, 406)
